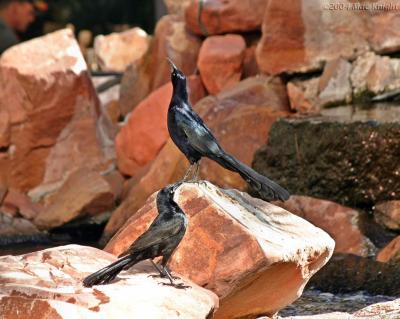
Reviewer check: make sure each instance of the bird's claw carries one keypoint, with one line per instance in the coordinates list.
(177, 286)
(163, 276)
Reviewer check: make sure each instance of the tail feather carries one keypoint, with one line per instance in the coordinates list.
(107, 274)
(268, 189)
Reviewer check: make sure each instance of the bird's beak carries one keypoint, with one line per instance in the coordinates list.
(173, 66)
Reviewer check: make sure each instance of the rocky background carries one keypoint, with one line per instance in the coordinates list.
(303, 90)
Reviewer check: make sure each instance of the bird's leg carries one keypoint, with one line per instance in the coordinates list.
(162, 274)
(170, 277)
(197, 171)
(188, 173)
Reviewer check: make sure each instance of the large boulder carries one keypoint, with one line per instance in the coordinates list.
(350, 162)
(52, 111)
(224, 16)
(114, 52)
(146, 132)
(84, 193)
(340, 222)
(171, 39)
(48, 284)
(255, 256)
(301, 35)
(220, 62)
(240, 118)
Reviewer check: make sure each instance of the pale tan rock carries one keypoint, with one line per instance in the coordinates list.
(303, 95)
(255, 256)
(220, 62)
(48, 284)
(15, 226)
(177, 6)
(171, 39)
(338, 221)
(387, 214)
(387, 310)
(240, 119)
(84, 193)
(44, 85)
(116, 51)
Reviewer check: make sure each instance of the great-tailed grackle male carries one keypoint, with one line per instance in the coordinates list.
(161, 239)
(195, 140)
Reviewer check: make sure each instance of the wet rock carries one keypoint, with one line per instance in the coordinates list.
(338, 221)
(172, 40)
(146, 132)
(318, 304)
(373, 74)
(19, 204)
(348, 273)
(220, 62)
(45, 87)
(49, 283)
(84, 193)
(219, 17)
(334, 85)
(388, 214)
(250, 109)
(303, 95)
(351, 163)
(114, 52)
(291, 41)
(390, 253)
(247, 254)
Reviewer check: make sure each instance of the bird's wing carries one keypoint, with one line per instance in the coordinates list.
(156, 234)
(198, 134)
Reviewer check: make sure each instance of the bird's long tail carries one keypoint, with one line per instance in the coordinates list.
(107, 274)
(268, 189)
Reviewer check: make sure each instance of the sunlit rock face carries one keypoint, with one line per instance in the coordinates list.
(301, 35)
(116, 51)
(50, 112)
(48, 284)
(349, 158)
(255, 256)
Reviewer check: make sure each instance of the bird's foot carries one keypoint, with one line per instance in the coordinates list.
(177, 286)
(163, 276)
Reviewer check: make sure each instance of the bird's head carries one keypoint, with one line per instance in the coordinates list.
(178, 79)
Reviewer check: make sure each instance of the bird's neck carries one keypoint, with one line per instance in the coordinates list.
(180, 92)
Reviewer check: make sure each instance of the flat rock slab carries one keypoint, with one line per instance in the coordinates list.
(47, 284)
(255, 256)
(352, 163)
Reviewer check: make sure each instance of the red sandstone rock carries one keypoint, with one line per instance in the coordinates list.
(220, 62)
(301, 35)
(338, 221)
(387, 214)
(255, 256)
(223, 16)
(116, 51)
(16, 203)
(177, 6)
(170, 40)
(146, 132)
(48, 284)
(391, 252)
(250, 66)
(84, 193)
(240, 119)
(45, 86)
